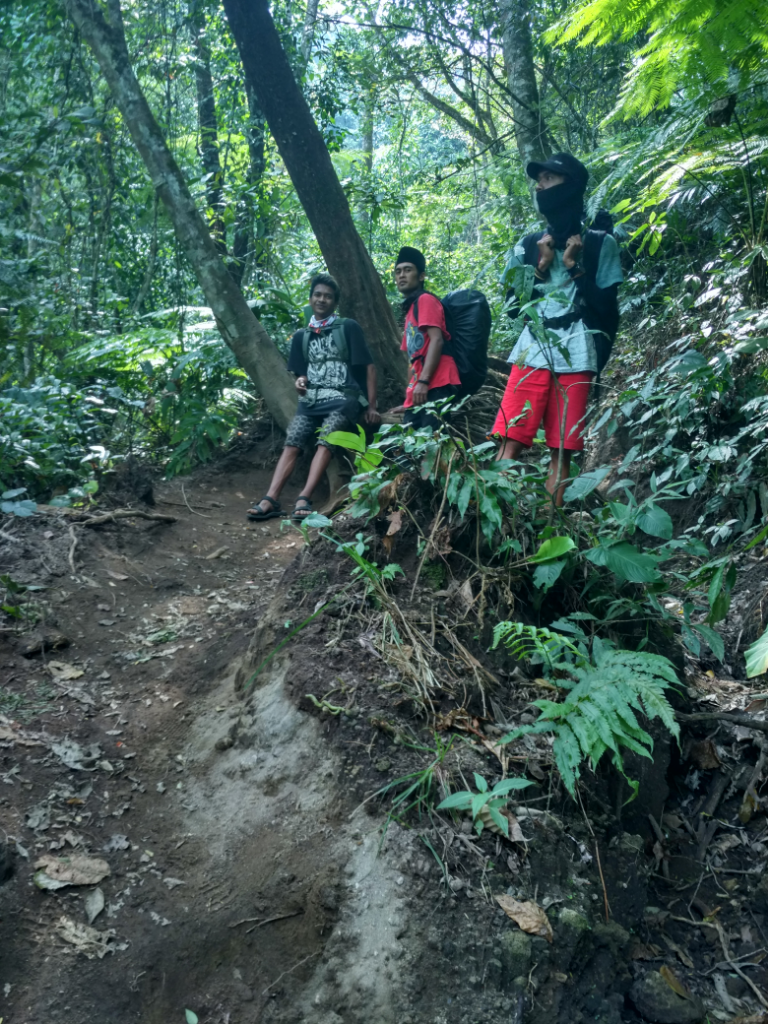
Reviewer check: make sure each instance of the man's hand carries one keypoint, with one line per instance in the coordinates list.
(301, 385)
(573, 249)
(546, 252)
(372, 416)
(420, 394)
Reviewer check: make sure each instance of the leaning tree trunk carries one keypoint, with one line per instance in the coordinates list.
(239, 328)
(531, 132)
(308, 162)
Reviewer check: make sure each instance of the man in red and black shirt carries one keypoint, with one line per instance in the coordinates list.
(434, 373)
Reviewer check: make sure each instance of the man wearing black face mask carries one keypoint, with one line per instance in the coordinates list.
(555, 360)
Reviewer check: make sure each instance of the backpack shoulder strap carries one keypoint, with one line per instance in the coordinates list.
(339, 336)
(415, 306)
(305, 344)
(593, 244)
(531, 248)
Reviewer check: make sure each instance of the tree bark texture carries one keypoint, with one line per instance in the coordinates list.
(209, 129)
(248, 246)
(240, 330)
(309, 164)
(531, 132)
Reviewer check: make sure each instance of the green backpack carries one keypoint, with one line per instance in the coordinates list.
(339, 339)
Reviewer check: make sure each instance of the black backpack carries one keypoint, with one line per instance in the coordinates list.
(468, 321)
(605, 322)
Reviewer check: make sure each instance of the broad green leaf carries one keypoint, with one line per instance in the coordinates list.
(344, 439)
(482, 785)
(585, 483)
(712, 638)
(479, 800)
(465, 495)
(756, 540)
(553, 548)
(499, 819)
(720, 452)
(715, 585)
(456, 801)
(626, 562)
(690, 640)
(191, 1017)
(316, 520)
(757, 656)
(655, 521)
(546, 575)
(502, 788)
(19, 508)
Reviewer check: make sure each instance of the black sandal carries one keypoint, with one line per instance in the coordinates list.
(257, 514)
(302, 513)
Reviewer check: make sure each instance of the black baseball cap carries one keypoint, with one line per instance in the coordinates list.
(560, 163)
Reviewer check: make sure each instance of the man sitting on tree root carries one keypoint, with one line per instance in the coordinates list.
(334, 371)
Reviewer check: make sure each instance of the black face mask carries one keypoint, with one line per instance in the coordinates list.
(410, 297)
(563, 206)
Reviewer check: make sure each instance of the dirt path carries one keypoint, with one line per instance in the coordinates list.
(225, 865)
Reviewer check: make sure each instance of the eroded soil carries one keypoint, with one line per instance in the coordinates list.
(248, 879)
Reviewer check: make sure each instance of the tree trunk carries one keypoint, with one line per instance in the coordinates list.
(531, 132)
(308, 162)
(251, 226)
(241, 331)
(310, 20)
(209, 129)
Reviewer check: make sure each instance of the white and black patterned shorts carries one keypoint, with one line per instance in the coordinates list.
(303, 429)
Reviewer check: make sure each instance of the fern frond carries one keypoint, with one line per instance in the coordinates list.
(601, 709)
(525, 641)
(689, 42)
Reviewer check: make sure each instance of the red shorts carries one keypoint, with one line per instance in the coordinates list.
(536, 395)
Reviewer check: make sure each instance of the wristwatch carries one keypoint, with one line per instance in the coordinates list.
(422, 381)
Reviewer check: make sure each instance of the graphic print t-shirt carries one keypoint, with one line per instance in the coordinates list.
(416, 344)
(331, 380)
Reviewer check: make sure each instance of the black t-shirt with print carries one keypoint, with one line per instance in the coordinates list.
(327, 374)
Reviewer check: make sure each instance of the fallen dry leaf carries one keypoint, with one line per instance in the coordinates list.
(682, 954)
(465, 596)
(116, 575)
(704, 755)
(61, 671)
(395, 520)
(528, 916)
(56, 872)
(94, 944)
(644, 951)
(674, 982)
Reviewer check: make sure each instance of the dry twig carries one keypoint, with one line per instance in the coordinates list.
(125, 513)
(734, 717)
(190, 507)
(735, 967)
(73, 536)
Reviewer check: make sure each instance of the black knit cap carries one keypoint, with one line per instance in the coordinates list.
(410, 255)
(561, 163)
